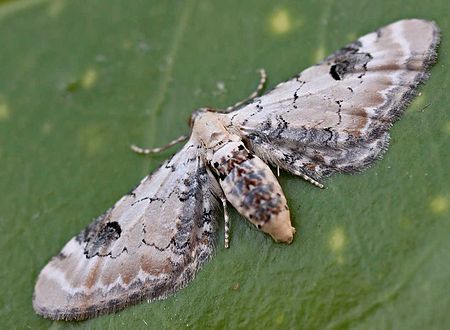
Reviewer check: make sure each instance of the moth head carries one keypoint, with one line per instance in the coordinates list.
(197, 113)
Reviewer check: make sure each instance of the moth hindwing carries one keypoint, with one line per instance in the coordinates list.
(332, 117)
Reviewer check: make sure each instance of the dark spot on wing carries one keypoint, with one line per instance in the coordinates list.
(337, 71)
(348, 60)
(98, 242)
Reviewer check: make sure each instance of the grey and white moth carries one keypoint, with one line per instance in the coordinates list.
(332, 117)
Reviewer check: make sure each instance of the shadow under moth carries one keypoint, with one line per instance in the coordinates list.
(333, 117)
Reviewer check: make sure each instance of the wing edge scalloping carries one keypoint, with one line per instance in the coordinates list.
(421, 78)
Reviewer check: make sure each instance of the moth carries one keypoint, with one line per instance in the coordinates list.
(333, 117)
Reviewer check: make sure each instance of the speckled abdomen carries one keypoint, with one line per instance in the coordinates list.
(251, 187)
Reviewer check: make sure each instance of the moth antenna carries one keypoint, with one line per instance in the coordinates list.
(257, 92)
(146, 151)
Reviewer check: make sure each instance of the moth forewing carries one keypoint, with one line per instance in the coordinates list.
(335, 116)
(148, 245)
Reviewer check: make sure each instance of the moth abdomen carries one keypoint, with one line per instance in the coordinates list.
(251, 187)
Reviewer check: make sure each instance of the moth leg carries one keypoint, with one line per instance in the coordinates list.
(257, 92)
(146, 151)
(227, 223)
(309, 179)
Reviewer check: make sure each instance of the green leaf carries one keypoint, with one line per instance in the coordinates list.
(80, 81)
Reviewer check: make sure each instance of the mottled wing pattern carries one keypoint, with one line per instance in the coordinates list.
(162, 231)
(335, 116)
